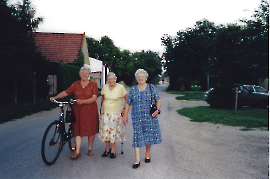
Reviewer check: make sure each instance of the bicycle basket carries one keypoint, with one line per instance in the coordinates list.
(70, 115)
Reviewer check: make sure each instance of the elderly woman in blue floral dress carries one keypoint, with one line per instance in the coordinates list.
(145, 125)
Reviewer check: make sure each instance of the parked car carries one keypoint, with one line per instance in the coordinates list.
(248, 95)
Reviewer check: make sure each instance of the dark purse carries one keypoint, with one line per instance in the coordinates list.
(70, 115)
(153, 107)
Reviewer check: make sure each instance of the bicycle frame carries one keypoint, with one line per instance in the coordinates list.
(55, 137)
(66, 136)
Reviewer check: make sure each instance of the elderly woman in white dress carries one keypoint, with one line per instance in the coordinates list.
(111, 127)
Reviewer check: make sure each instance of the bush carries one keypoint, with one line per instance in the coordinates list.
(195, 88)
(66, 74)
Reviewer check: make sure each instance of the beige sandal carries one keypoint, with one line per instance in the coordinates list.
(90, 152)
(76, 156)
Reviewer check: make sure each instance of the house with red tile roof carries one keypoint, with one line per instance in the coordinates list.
(61, 47)
(64, 47)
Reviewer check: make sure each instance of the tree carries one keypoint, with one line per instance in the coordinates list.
(187, 55)
(256, 41)
(119, 62)
(123, 63)
(149, 61)
(240, 54)
(94, 48)
(233, 53)
(19, 59)
(125, 67)
(25, 15)
(80, 60)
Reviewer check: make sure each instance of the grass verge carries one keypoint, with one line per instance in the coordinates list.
(188, 95)
(248, 117)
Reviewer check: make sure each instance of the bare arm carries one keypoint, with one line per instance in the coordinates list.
(125, 120)
(87, 101)
(158, 104)
(123, 110)
(60, 95)
(102, 100)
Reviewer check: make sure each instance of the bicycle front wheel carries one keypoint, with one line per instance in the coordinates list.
(51, 143)
(71, 142)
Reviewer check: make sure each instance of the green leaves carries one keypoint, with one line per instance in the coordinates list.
(187, 55)
(233, 53)
(80, 59)
(123, 63)
(19, 58)
(149, 61)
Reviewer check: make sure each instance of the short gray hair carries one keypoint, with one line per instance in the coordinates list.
(112, 74)
(85, 67)
(141, 71)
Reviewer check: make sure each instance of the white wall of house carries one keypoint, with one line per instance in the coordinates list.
(98, 72)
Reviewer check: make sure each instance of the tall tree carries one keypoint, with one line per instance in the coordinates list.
(94, 48)
(124, 67)
(241, 53)
(123, 63)
(256, 41)
(119, 62)
(233, 53)
(151, 62)
(19, 59)
(187, 55)
(25, 15)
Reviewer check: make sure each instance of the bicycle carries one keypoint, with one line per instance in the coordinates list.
(55, 136)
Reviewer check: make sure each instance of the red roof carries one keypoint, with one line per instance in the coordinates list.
(59, 47)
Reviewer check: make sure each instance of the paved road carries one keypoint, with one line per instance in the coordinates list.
(21, 157)
(188, 150)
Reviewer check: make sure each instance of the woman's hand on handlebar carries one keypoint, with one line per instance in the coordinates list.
(79, 102)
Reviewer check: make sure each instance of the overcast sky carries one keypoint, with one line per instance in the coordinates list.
(136, 25)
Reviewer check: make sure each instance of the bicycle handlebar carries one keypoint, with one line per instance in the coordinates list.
(61, 102)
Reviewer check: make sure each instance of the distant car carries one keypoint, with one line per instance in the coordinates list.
(206, 94)
(249, 95)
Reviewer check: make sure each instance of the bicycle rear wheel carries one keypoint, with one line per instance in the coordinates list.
(51, 143)
(71, 142)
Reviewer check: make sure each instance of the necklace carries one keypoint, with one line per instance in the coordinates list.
(83, 86)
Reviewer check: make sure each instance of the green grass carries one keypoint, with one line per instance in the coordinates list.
(248, 117)
(188, 95)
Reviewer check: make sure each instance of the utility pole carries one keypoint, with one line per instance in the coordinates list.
(236, 99)
(208, 82)
(34, 87)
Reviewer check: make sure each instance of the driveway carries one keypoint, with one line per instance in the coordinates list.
(188, 150)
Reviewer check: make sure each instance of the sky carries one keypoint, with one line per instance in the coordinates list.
(136, 25)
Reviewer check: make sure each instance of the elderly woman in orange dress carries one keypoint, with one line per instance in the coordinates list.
(85, 109)
(111, 119)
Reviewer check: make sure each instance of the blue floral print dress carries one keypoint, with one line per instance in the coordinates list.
(146, 128)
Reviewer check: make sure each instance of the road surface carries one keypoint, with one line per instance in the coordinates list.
(188, 150)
